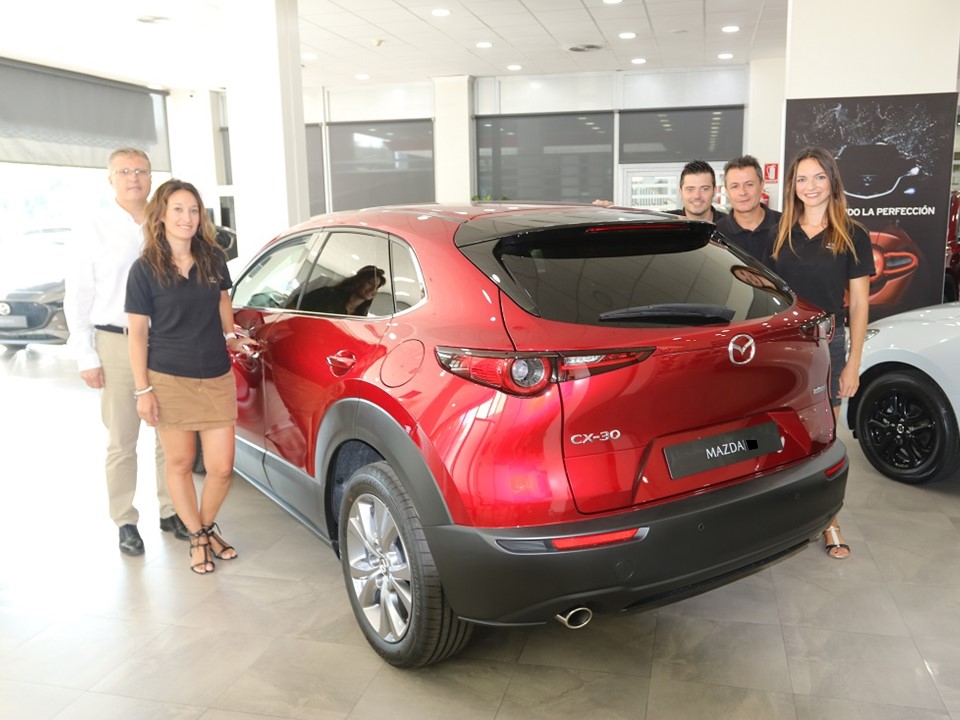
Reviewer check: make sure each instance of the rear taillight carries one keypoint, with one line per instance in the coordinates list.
(579, 542)
(819, 329)
(531, 373)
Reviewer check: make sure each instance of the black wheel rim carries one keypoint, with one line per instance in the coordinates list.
(903, 432)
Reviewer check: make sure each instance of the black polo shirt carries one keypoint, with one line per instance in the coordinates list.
(717, 214)
(816, 274)
(756, 242)
(186, 335)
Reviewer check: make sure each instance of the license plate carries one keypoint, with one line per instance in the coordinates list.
(13, 321)
(724, 449)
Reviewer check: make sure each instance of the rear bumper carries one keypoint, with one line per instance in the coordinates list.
(688, 545)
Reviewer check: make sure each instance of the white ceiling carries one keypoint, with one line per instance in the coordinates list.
(392, 41)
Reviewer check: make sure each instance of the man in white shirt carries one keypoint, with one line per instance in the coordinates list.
(96, 285)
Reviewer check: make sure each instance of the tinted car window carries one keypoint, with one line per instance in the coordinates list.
(638, 279)
(347, 261)
(273, 281)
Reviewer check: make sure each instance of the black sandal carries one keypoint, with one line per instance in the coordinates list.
(211, 531)
(206, 564)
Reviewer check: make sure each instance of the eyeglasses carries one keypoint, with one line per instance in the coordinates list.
(127, 172)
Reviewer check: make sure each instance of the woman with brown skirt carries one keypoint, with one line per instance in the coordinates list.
(181, 327)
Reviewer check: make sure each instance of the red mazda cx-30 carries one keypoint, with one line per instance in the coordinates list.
(502, 414)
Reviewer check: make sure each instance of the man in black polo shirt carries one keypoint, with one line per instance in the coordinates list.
(749, 222)
(698, 187)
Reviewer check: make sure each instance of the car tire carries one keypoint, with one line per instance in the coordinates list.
(907, 428)
(390, 574)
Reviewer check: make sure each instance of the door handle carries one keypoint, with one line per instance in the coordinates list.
(342, 362)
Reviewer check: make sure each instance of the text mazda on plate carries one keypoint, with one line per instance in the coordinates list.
(504, 414)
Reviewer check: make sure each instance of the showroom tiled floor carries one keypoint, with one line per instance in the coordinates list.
(88, 634)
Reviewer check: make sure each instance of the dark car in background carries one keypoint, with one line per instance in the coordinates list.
(32, 270)
(32, 267)
(521, 413)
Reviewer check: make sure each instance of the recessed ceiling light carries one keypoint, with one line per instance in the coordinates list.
(627, 35)
(362, 76)
(152, 19)
(612, 2)
(483, 44)
(514, 67)
(440, 12)
(725, 56)
(730, 28)
(638, 61)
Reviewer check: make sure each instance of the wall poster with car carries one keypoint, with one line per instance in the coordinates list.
(895, 155)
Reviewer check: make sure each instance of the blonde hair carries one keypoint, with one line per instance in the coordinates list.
(838, 235)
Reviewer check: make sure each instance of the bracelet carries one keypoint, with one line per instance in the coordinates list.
(229, 336)
(147, 389)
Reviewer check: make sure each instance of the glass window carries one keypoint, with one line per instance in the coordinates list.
(563, 158)
(383, 163)
(274, 280)
(666, 276)
(55, 117)
(315, 183)
(681, 135)
(350, 276)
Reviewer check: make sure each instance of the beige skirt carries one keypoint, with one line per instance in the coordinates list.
(194, 403)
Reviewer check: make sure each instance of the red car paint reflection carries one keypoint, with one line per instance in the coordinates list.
(896, 259)
(547, 409)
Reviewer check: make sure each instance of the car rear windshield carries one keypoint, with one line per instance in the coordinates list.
(646, 276)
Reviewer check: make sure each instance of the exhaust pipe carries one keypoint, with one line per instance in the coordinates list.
(575, 618)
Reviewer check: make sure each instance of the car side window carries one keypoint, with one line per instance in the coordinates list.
(351, 276)
(274, 281)
(408, 286)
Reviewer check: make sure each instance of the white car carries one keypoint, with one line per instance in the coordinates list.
(905, 412)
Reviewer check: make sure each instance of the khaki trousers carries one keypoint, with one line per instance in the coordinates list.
(118, 409)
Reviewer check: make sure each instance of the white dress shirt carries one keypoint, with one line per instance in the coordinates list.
(96, 282)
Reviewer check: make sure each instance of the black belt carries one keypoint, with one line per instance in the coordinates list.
(114, 329)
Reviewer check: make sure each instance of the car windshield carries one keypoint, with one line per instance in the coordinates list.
(644, 278)
(34, 258)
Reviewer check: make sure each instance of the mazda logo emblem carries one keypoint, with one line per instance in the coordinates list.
(5, 308)
(741, 349)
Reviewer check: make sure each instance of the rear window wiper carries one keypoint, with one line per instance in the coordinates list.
(691, 313)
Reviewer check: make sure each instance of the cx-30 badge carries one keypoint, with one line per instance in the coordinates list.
(741, 349)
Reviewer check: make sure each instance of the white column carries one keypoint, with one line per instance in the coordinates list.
(190, 124)
(454, 139)
(265, 117)
(764, 118)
